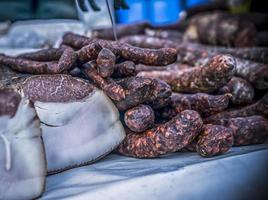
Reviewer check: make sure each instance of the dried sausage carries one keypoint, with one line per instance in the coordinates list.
(216, 73)
(204, 104)
(241, 90)
(106, 63)
(113, 90)
(139, 118)
(165, 138)
(258, 108)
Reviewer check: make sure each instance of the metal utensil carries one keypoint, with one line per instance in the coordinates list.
(95, 17)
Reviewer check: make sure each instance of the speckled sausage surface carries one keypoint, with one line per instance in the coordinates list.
(161, 93)
(196, 55)
(113, 90)
(208, 78)
(217, 72)
(124, 69)
(242, 91)
(29, 66)
(162, 56)
(165, 138)
(258, 108)
(88, 53)
(106, 63)
(138, 90)
(139, 118)
(247, 130)
(205, 104)
(76, 41)
(255, 73)
(51, 54)
(214, 140)
(67, 59)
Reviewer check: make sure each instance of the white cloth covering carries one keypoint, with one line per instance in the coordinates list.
(238, 174)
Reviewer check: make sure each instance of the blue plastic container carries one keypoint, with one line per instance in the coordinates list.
(137, 12)
(190, 3)
(163, 12)
(158, 12)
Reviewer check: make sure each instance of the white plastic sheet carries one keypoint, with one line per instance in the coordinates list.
(239, 174)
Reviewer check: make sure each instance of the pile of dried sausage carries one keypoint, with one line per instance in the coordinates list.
(184, 95)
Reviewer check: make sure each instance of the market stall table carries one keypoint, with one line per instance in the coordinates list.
(239, 174)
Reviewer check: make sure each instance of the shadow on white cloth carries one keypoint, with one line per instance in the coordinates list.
(239, 174)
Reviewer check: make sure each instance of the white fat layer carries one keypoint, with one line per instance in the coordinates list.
(25, 178)
(79, 132)
(59, 114)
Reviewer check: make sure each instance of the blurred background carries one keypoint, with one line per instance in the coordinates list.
(28, 23)
(158, 12)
